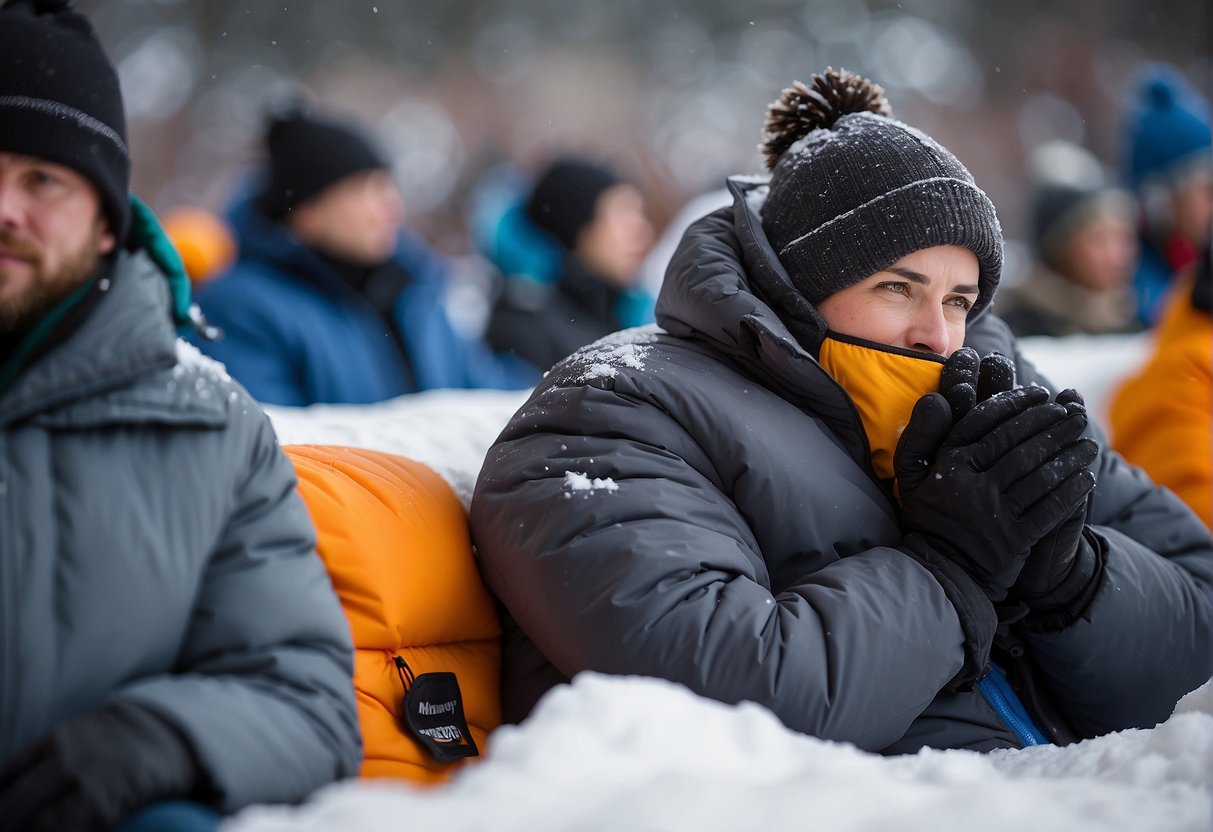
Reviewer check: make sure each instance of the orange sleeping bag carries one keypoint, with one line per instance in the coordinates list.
(395, 540)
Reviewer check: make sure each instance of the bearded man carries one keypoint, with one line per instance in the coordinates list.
(171, 649)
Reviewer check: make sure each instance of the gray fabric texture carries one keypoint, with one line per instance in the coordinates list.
(738, 543)
(153, 550)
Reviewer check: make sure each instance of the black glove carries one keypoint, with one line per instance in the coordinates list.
(963, 376)
(996, 375)
(929, 425)
(959, 380)
(1063, 567)
(92, 772)
(1004, 477)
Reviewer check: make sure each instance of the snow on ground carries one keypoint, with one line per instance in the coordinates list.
(611, 754)
(608, 754)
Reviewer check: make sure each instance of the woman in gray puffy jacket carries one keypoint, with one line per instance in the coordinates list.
(829, 484)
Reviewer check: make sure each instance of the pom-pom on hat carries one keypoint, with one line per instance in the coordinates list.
(852, 190)
(565, 197)
(307, 153)
(60, 99)
(1168, 128)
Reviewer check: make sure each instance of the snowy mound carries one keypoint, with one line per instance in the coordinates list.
(448, 430)
(615, 754)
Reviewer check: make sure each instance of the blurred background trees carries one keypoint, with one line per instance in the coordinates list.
(671, 91)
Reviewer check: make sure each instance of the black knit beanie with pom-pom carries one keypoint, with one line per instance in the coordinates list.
(852, 190)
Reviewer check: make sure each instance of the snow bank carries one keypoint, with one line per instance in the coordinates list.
(613, 754)
(448, 430)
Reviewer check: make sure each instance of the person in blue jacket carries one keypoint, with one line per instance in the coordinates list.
(1168, 157)
(331, 300)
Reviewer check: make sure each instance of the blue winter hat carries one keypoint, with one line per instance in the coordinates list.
(1169, 128)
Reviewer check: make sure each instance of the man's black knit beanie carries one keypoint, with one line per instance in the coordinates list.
(308, 153)
(60, 99)
(852, 190)
(565, 197)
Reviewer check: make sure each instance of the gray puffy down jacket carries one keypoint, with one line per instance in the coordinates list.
(696, 503)
(153, 549)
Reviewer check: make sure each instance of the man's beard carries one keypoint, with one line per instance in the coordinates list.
(21, 313)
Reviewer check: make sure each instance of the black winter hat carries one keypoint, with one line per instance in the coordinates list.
(308, 153)
(60, 99)
(565, 196)
(852, 190)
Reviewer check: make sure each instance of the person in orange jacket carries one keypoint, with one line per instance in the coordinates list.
(1161, 418)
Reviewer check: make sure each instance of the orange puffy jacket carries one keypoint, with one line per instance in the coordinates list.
(1161, 419)
(395, 540)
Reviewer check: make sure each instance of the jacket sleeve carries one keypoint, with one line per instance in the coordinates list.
(263, 687)
(618, 550)
(1147, 637)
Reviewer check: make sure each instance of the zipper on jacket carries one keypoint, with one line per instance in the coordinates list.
(1002, 698)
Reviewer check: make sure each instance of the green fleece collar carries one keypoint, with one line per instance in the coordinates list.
(147, 233)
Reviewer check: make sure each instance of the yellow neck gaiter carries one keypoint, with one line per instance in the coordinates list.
(883, 383)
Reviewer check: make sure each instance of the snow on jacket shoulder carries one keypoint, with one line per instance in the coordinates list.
(296, 334)
(1161, 418)
(394, 538)
(698, 504)
(155, 551)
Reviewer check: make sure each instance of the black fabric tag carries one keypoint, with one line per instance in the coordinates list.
(433, 713)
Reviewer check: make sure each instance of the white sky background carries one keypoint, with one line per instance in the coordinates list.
(616, 754)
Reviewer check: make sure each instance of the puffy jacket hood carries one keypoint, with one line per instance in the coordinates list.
(724, 283)
(725, 286)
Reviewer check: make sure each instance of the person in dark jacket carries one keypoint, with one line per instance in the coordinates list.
(597, 222)
(171, 647)
(331, 300)
(801, 490)
(1084, 250)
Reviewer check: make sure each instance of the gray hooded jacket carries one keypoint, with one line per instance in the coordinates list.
(153, 549)
(698, 504)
